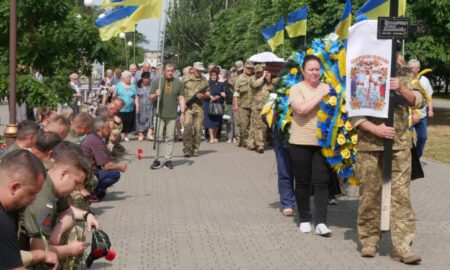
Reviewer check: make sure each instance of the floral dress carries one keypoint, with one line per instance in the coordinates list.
(144, 119)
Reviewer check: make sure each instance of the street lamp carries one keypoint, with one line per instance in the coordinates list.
(89, 3)
(124, 37)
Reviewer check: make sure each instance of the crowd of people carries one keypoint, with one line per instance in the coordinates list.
(63, 162)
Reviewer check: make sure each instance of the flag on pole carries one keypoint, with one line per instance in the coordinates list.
(116, 3)
(274, 35)
(115, 22)
(345, 22)
(124, 19)
(297, 22)
(373, 9)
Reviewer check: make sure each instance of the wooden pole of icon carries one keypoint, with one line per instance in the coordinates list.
(387, 158)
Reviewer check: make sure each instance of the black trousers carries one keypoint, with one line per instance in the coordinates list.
(311, 171)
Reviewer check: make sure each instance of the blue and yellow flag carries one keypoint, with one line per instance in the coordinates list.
(373, 9)
(345, 22)
(116, 3)
(297, 22)
(274, 35)
(124, 19)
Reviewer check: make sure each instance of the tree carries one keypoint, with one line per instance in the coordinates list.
(432, 49)
(56, 38)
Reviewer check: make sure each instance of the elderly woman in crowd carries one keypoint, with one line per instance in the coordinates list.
(212, 122)
(311, 170)
(144, 119)
(127, 91)
(75, 95)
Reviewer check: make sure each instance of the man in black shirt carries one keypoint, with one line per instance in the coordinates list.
(21, 178)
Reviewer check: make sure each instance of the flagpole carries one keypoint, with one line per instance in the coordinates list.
(134, 44)
(157, 120)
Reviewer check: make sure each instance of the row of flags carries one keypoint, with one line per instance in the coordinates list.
(296, 24)
(125, 16)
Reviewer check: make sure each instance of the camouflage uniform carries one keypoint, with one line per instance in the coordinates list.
(369, 162)
(244, 92)
(193, 117)
(232, 80)
(114, 145)
(260, 92)
(76, 198)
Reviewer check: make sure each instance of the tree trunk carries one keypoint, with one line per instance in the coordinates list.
(446, 84)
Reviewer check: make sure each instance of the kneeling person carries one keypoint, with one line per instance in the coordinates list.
(94, 148)
(50, 215)
(21, 178)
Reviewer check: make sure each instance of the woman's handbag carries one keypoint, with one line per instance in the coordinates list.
(215, 108)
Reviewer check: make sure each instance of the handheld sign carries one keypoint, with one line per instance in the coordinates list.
(393, 28)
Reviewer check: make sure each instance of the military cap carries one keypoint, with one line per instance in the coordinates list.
(199, 66)
(249, 64)
(259, 68)
(239, 65)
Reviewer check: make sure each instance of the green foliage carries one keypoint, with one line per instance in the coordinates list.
(56, 37)
(432, 49)
(223, 35)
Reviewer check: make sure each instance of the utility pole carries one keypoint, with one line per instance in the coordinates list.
(11, 129)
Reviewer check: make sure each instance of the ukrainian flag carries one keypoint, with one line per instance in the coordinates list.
(124, 19)
(115, 3)
(345, 22)
(297, 22)
(274, 35)
(373, 9)
(115, 22)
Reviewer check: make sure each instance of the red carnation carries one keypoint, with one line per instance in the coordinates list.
(140, 151)
(111, 255)
(139, 156)
(98, 252)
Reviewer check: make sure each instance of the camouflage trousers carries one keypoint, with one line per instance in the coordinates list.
(77, 199)
(244, 124)
(75, 234)
(257, 133)
(193, 122)
(68, 263)
(402, 222)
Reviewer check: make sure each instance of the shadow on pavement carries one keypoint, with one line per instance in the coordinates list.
(115, 196)
(100, 209)
(100, 265)
(179, 162)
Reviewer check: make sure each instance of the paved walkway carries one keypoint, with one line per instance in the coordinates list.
(220, 211)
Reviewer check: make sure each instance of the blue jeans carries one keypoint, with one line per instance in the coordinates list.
(285, 172)
(421, 132)
(106, 178)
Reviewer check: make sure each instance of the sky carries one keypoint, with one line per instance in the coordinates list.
(149, 28)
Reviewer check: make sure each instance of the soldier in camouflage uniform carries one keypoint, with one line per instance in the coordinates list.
(261, 86)
(238, 70)
(81, 126)
(242, 102)
(369, 161)
(193, 119)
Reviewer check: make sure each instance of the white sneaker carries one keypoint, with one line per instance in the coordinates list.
(323, 230)
(126, 139)
(305, 227)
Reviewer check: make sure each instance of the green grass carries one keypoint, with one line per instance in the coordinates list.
(438, 143)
